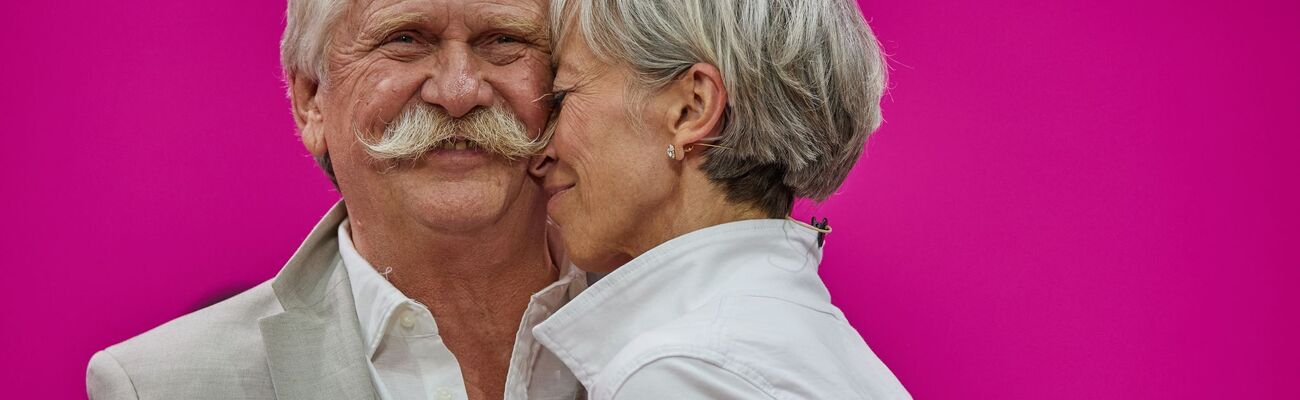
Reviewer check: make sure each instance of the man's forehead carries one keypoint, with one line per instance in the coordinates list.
(524, 18)
(514, 12)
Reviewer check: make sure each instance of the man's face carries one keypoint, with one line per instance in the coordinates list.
(459, 56)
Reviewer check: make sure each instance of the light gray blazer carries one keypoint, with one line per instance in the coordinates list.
(294, 337)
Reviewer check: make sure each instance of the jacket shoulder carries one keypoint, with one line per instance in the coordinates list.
(215, 350)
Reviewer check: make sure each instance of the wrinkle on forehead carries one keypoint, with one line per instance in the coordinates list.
(526, 18)
(575, 65)
(532, 11)
(356, 71)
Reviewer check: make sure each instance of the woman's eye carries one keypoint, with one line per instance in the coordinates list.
(557, 100)
(503, 39)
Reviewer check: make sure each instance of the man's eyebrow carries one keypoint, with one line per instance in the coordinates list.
(527, 27)
(390, 24)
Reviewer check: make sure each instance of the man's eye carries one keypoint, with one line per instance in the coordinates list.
(503, 39)
(402, 38)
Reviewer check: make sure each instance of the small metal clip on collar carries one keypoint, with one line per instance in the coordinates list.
(824, 228)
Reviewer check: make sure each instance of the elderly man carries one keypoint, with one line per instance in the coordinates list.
(425, 281)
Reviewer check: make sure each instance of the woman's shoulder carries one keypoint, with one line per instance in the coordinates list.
(685, 377)
(741, 344)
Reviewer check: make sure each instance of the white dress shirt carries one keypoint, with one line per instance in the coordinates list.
(408, 359)
(733, 311)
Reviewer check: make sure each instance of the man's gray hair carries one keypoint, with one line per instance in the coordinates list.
(306, 34)
(302, 48)
(804, 80)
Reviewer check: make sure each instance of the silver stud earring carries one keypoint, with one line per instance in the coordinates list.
(672, 152)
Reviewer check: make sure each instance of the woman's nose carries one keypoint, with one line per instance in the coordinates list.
(544, 161)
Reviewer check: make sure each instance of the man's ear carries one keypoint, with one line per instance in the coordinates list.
(307, 114)
(698, 102)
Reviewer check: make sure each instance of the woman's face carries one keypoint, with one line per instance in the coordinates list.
(612, 178)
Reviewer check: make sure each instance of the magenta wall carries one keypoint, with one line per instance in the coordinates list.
(1069, 199)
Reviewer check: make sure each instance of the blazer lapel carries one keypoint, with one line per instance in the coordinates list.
(314, 347)
(315, 357)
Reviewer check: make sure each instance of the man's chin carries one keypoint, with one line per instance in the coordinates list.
(464, 203)
(454, 197)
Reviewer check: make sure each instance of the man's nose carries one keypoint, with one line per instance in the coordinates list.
(456, 82)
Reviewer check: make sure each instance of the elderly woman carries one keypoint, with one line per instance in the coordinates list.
(683, 132)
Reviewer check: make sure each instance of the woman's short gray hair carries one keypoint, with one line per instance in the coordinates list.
(804, 80)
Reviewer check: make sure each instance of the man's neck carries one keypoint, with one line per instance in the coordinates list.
(477, 283)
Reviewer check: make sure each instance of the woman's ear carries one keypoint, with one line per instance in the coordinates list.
(307, 114)
(699, 101)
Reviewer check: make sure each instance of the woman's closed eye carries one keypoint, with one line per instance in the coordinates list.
(557, 100)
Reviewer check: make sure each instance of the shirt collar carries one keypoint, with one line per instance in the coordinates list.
(377, 300)
(375, 297)
(679, 275)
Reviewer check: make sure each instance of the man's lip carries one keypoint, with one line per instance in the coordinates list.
(453, 160)
(442, 150)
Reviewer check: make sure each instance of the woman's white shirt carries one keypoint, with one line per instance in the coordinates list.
(733, 311)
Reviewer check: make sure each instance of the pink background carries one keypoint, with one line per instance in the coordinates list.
(1069, 199)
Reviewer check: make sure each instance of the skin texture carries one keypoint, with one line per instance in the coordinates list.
(462, 230)
(615, 192)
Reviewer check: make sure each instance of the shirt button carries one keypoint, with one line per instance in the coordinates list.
(444, 394)
(408, 320)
